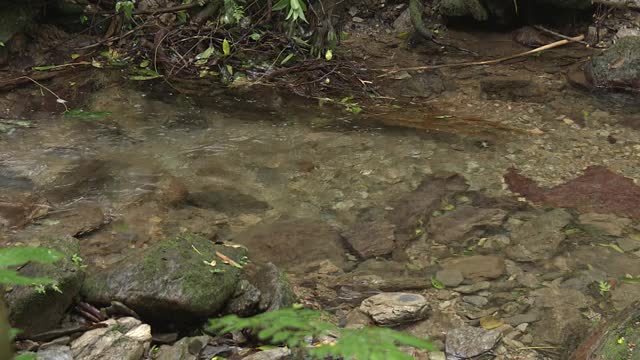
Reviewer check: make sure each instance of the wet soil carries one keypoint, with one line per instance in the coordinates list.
(240, 163)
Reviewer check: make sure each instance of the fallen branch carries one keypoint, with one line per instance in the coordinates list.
(557, 34)
(485, 62)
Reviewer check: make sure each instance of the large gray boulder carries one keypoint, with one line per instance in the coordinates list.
(618, 67)
(37, 309)
(180, 279)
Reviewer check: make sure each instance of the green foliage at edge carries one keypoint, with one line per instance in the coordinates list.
(14, 256)
(292, 326)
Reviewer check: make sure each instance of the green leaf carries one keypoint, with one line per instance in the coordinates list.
(144, 63)
(144, 77)
(226, 47)
(86, 115)
(355, 109)
(2, 44)
(12, 256)
(25, 357)
(206, 54)
(328, 55)
(286, 59)
(437, 283)
(280, 5)
(75, 56)
(255, 36)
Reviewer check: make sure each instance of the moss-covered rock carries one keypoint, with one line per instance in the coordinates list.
(34, 310)
(176, 280)
(618, 67)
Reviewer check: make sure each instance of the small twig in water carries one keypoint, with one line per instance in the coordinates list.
(59, 99)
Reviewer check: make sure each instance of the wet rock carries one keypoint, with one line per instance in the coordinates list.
(561, 317)
(468, 342)
(462, 8)
(275, 290)
(613, 340)
(290, 243)
(19, 209)
(390, 309)
(229, 201)
(474, 288)
(530, 37)
(34, 311)
(606, 223)
(174, 278)
(58, 352)
(122, 339)
(170, 191)
(528, 280)
(356, 319)
(476, 300)
(245, 300)
(540, 237)
(82, 178)
(519, 319)
(460, 224)
(618, 67)
(512, 90)
(450, 277)
(604, 259)
(371, 239)
(272, 354)
(628, 244)
(624, 295)
(477, 267)
(402, 24)
(597, 190)
(425, 84)
(436, 326)
(417, 206)
(188, 348)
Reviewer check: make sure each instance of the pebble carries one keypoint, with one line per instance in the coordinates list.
(390, 309)
(475, 300)
(470, 289)
(468, 342)
(450, 277)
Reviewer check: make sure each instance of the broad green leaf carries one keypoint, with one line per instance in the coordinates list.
(12, 256)
(144, 63)
(255, 36)
(25, 357)
(226, 47)
(75, 56)
(144, 77)
(206, 54)
(437, 283)
(230, 69)
(328, 55)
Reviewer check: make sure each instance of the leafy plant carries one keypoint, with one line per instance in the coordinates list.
(126, 7)
(437, 284)
(604, 287)
(295, 9)
(293, 327)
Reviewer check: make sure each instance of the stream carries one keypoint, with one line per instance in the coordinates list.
(505, 174)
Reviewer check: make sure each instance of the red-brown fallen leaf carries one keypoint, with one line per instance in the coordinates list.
(598, 190)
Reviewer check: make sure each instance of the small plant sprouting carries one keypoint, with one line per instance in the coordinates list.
(604, 287)
(78, 261)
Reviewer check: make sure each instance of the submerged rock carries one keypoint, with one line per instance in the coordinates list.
(188, 348)
(477, 267)
(34, 310)
(390, 309)
(468, 342)
(618, 67)
(460, 224)
(182, 278)
(371, 239)
(291, 244)
(272, 354)
(450, 277)
(122, 339)
(540, 237)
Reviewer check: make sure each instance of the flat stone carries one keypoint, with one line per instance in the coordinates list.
(389, 309)
(539, 238)
(624, 295)
(272, 354)
(372, 238)
(628, 244)
(470, 289)
(185, 349)
(122, 339)
(58, 352)
(450, 277)
(477, 267)
(476, 300)
(608, 223)
(468, 342)
(460, 224)
(519, 319)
